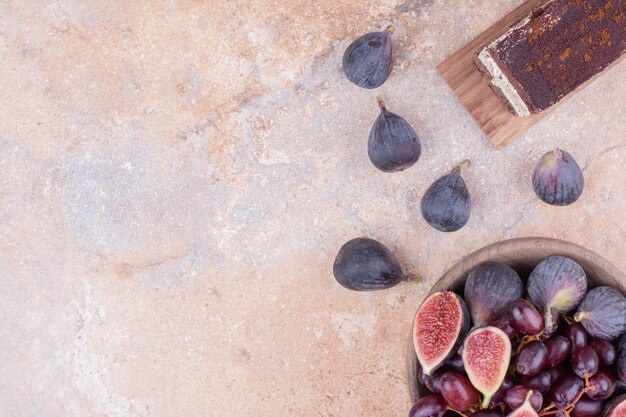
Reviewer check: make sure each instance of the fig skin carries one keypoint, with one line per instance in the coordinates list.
(603, 313)
(556, 285)
(422, 320)
(446, 204)
(489, 289)
(368, 61)
(393, 145)
(364, 264)
(557, 178)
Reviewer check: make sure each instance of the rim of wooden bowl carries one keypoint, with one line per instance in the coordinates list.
(520, 254)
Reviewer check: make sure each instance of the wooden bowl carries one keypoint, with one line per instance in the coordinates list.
(523, 255)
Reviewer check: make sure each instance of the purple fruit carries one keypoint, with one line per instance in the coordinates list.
(516, 396)
(558, 349)
(458, 391)
(601, 385)
(489, 289)
(586, 407)
(393, 144)
(603, 312)
(503, 322)
(364, 265)
(433, 380)
(498, 397)
(430, 406)
(577, 336)
(616, 407)
(368, 60)
(557, 178)
(585, 362)
(556, 286)
(446, 204)
(556, 373)
(565, 390)
(540, 382)
(606, 351)
(531, 359)
(456, 363)
(525, 318)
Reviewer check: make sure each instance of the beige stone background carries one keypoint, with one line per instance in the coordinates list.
(177, 177)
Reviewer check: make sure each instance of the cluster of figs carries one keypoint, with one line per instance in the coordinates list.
(561, 351)
(393, 145)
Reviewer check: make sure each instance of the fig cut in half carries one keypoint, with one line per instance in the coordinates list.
(438, 329)
(486, 355)
(524, 410)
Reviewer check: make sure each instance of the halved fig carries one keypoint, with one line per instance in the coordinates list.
(489, 289)
(486, 355)
(616, 408)
(524, 410)
(438, 329)
(556, 286)
(603, 313)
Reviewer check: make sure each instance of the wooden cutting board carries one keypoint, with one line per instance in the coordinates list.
(472, 88)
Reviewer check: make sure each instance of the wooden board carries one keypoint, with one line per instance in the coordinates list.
(472, 88)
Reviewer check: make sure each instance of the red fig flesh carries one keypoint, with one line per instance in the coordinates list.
(486, 355)
(439, 326)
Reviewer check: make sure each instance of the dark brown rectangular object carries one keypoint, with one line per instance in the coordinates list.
(563, 44)
(473, 90)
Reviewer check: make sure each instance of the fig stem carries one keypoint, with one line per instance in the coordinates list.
(391, 28)
(381, 101)
(465, 164)
(413, 278)
(558, 153)
(581, 315)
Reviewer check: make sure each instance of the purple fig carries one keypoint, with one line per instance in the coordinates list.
(393, 144)
(603, 313)
(556, 286)
(557, 178)
(364, 264)
(368, 60)
(446, 204)
(489, 289)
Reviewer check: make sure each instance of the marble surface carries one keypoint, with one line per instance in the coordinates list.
(177, 177)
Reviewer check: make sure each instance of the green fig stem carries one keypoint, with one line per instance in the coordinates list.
(463, 165)
(381, 101)
(413, 278)
(486, 401)
(581, 315)
(391, 28)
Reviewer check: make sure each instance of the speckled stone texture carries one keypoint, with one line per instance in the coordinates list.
(177, 177)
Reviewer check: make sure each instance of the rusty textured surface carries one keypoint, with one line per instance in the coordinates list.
(177, 177)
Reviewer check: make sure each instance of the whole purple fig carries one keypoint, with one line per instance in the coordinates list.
(557, 178)
(393, 144)
(368, 60)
